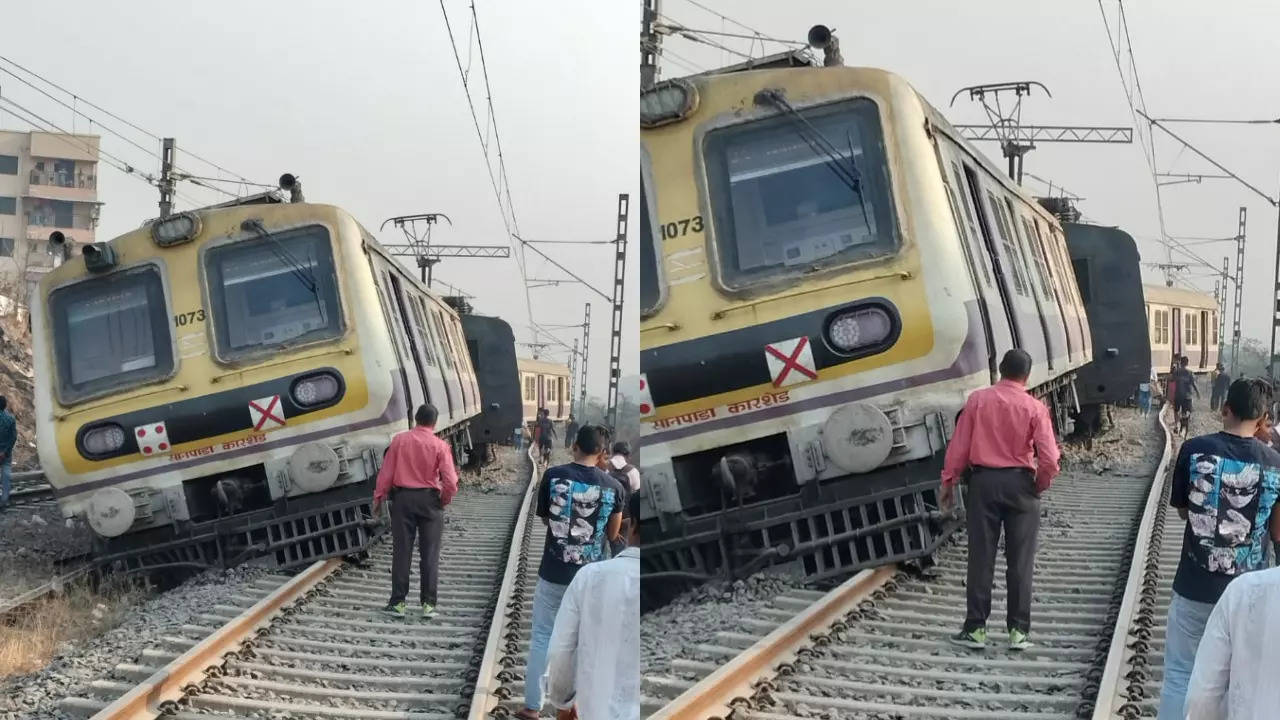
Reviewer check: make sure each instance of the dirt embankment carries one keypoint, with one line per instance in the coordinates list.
(17, 387)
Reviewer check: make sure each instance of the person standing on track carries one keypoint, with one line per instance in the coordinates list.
(570, 431)
(582, 509)
(1004, 438)
(1225, 486)
(8, 438)
(628, 476)
(593, 660)
(1221, 381)
(419, 475)
(546, 431)
(1186, 384)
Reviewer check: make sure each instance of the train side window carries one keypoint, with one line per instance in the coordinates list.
(1060, 247)
(1020, 244)
(1037, 253)
(420, 324)
(963, 200)
(1002, 229)
(445, 349)
(965, 244)
(1052, 259)
(652, 287)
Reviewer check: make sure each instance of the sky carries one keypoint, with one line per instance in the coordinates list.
(364, 102)
(1193, 60)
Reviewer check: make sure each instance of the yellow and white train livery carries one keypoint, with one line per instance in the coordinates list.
(222, 384)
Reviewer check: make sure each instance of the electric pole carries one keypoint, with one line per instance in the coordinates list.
(1235, 312)
(573, 375)
(649, 44)
(167, 149)
(1016, 139)
(619, 284)
(418, 243)
(586, 354)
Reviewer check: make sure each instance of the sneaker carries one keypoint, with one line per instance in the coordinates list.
(428, 611)
(1019, 640)
(397, 609)
(975, 639)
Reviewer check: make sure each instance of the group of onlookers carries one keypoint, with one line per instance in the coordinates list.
(584, 650)
(1222, 637)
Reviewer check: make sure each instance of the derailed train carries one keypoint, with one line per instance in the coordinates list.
(221, 384)
(827, 270)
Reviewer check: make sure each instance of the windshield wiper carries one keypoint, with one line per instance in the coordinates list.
(820, 146)
(297, 269)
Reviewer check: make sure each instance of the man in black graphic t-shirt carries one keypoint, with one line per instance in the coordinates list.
(1225, 485)
(582, 507)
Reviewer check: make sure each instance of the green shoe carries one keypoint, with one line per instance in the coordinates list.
(1019, 640)
(975, 639)
(397, 609)
(428, 611)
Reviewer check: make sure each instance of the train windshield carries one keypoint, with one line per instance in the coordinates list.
(800, 191)
(277, 290)
(110, 332)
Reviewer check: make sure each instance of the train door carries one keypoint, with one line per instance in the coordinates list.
(395, 326)
(1204, 339)
(994, 329)
(1053, 280)
(1002, 277)
(1175, 328)
(470, 391)
(431, 358)
(561, 393)
(402, 306)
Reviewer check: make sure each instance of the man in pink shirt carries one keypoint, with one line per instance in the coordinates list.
(1004, 440)
(419, 475)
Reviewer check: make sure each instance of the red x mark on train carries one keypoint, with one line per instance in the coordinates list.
(793, 361)
(272, 412)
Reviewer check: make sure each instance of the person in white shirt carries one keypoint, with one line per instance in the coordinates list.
(621, 461)
(1235, 668)
(593, 661)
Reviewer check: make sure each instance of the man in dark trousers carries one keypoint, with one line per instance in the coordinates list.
(1185, 385)
(1225, 487)
(570, 431)
(1004, 439)
(419, 475)
(582, 508)
(1221, 381)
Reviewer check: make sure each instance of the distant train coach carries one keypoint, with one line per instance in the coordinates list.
(544, 385)
(1182, 322)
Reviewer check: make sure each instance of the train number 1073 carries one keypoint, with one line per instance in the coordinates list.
(683, 227)
(189, 318)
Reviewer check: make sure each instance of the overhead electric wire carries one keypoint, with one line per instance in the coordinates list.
(684, 31)
(67, 137)
(144, 131)
(475, 120)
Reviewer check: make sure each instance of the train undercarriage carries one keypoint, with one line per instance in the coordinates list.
(820, 531)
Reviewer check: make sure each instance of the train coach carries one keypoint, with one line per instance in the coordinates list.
(545, 385)
(827, 271)
(1182, 322)
(222, 384)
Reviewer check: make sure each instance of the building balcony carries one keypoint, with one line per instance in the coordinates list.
(73, 187)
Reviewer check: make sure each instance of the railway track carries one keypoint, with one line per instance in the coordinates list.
(318, 646)
(29, 488)
(876, 646)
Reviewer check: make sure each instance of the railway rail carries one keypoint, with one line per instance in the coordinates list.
(876, 646)
(318, 646)
(29, 488)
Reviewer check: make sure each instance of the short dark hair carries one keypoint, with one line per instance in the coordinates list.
(1248, 399)
(588, 440)
(623, 448)
(1182, 360)
(1016, 364)
(426, 415)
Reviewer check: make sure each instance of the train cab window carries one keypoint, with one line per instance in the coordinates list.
(275, 291)
(111, 332)
(791, 195)
(650, 255)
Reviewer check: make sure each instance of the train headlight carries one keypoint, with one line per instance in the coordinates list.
(850, 331)
(316, 389)
(175, 229)
(667, 102)
(103, 440)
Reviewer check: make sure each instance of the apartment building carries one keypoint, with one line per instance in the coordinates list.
(48, 182)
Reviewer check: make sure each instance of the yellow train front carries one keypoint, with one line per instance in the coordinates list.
(222, 384)
(827, 270)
